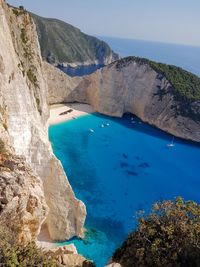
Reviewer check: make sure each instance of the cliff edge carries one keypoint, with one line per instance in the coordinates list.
(23, 123)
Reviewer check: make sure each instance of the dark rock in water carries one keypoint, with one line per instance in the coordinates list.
(132, 173)
(123, 164)
(144, 165)
(125, 156)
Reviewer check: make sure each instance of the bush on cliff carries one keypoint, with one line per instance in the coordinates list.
(14, 255)
(169, 236)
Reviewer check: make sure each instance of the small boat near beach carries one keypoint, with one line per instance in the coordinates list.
(172, 143)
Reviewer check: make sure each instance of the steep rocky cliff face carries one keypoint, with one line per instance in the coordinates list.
(60, 85)
(132, 85)
(22, 202)
(24, 113)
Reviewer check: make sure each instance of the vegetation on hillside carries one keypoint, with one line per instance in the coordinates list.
(14, 255)
(169, 236)
(60, 41)
(186, 84)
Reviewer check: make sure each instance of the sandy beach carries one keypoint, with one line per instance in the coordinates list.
(64, 112)
(44, 241)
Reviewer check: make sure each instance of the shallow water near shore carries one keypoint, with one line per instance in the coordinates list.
(117, 167)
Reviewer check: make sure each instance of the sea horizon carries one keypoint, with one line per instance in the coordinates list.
(181, 55)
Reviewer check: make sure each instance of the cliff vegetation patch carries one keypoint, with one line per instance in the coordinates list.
(186, 84)
(12, 254)
(169, 236)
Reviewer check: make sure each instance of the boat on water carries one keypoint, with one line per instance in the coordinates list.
(172, 143)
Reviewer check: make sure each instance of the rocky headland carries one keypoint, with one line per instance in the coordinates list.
(75, 52)
(161, 95)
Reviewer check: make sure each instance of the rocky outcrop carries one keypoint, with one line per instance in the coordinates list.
(24, 113)
(131, 85)
(68, 256)
(22, 203)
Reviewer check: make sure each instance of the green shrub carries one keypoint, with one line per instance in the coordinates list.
(16, 12)
(32, 77)
(38, 105)
(23, 36)
(13, 255)
(169, 236)
(5, 126)
(2, 147)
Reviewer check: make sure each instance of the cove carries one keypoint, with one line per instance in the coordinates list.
(119, 168)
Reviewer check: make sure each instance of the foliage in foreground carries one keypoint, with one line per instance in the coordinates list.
(169, 236)
(14, 255)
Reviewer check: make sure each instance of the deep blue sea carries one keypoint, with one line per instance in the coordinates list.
(122, 167)
(185, 56)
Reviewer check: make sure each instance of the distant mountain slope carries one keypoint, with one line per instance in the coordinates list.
(62, 43)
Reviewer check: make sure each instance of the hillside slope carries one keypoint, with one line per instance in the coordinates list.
(62, 43)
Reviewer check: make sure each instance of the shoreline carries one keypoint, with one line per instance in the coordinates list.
(65, 112)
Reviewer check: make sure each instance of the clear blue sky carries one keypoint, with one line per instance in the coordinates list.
(172, 21)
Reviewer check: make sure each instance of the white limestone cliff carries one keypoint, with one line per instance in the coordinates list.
(24, 112)
(129, 86)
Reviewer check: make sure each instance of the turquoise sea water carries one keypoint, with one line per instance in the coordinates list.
(119, 169)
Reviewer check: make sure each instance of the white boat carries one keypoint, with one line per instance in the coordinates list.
(91, 130)
(172, 143)
(102, 125)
